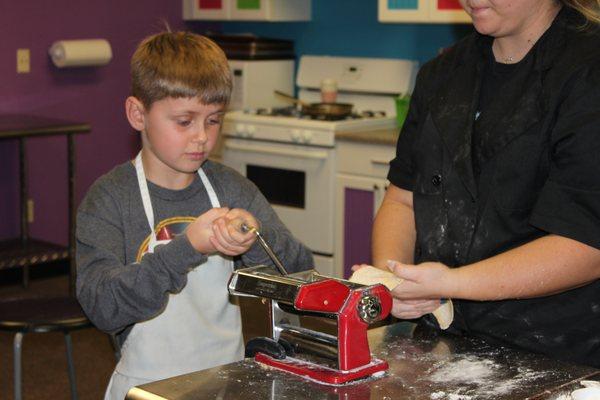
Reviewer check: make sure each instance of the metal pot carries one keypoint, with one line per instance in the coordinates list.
(321, 110)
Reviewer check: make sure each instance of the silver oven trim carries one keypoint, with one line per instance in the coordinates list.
(319, 155)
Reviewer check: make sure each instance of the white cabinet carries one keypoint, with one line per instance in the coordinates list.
(247, 10)
(360, 186)
(426, 11)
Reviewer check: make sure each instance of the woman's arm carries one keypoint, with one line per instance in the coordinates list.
(394, 228)
(394, 238)
(542, 267)
(394, 234)
(545, 266)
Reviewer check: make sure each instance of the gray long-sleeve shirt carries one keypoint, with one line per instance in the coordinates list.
(117, 284)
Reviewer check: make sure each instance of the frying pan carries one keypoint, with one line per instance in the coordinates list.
(321, 110)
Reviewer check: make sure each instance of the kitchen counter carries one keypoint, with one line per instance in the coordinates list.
(423, 365)
(382, 136)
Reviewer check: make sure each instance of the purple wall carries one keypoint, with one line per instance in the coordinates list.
(92, 95)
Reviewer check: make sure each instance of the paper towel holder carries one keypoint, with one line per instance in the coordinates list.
(80, 53)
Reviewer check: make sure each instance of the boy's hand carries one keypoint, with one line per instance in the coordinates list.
(200, 231)
(228, 237)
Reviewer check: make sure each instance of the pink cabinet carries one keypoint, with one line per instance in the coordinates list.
(249, 10)
(422, 11)
(206, 9)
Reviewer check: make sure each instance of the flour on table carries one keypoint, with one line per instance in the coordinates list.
(467, 370)
(564, 396)
(475, 377)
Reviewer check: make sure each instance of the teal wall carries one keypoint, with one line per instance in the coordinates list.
(350, 28)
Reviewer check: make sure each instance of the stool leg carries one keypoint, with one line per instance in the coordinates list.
(71, 366)
(25, 276)
(17, 344)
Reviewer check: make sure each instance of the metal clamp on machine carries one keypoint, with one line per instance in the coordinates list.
(326, 358)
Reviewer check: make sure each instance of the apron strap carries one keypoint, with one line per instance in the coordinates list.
(214, 201)
(146, 201)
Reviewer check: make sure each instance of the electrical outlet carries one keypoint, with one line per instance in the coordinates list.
(30, 209)
(23, 62)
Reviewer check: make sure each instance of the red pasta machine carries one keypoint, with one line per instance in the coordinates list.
(293, 347)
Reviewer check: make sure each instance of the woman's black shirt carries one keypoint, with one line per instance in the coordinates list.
(528, 166)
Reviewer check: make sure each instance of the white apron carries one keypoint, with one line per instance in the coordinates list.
(199, 328)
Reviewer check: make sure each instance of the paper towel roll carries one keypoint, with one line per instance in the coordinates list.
(80, 53)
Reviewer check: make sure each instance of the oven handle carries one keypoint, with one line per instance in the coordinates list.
(319, 155)
(380, 162)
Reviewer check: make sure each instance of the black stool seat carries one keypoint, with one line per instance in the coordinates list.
(41, 314)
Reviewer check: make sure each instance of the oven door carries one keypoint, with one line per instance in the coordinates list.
(298, 182)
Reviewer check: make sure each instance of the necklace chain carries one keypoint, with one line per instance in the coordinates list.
(530, 43)
(511, 59)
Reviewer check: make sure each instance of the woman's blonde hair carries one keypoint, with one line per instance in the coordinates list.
(590, 9)
(180, 64)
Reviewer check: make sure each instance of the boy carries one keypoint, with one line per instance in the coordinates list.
(149, 270)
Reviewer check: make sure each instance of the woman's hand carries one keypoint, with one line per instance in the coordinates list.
(228, 236)
(428, 280)
(356, 267)
(421, 288)
(411, 309)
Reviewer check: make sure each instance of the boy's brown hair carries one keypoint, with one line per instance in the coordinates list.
(180, 64)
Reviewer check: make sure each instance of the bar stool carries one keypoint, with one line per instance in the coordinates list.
(41, 315)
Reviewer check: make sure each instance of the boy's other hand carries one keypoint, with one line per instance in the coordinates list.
(200, 231)
(228, 236)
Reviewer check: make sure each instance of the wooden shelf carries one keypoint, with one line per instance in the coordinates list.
(24, 251)
(15, 253)
(22, 126)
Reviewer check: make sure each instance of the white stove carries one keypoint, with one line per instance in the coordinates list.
(371, 85)
(291, 157)
(249, 124)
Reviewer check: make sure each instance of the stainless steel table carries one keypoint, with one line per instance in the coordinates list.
(423, 365)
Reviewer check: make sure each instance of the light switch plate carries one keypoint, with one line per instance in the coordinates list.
(23, 61)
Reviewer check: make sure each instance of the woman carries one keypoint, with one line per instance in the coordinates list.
(495, 189)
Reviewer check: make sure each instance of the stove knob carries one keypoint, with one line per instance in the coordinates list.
(250, 131)
(296, 135)
(240, 130)
(307, 136)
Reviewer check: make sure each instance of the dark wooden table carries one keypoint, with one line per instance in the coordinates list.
(23, 251)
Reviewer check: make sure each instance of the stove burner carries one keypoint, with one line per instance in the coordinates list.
(293, 112)
(290, 111)
(372, 114)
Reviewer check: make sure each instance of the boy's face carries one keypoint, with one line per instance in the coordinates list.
(178, 135)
